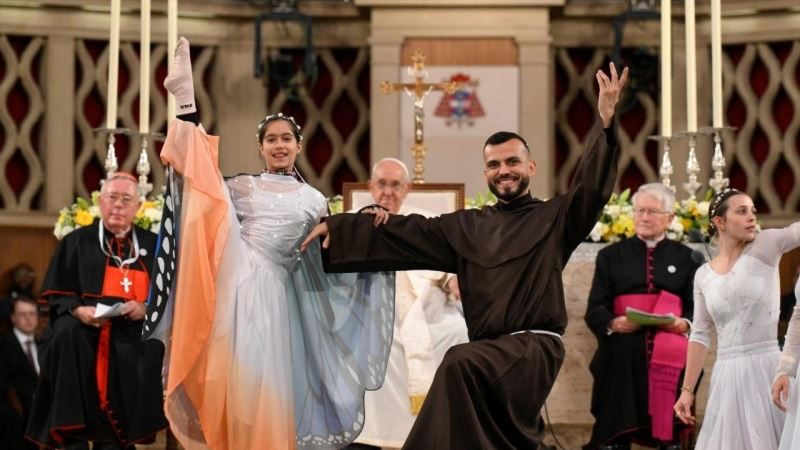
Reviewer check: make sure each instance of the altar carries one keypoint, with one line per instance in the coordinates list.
(569, 401)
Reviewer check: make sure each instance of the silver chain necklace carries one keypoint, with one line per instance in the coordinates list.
(121, 263)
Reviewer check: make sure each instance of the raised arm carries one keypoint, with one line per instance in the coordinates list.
(596, 174)
(771, 244)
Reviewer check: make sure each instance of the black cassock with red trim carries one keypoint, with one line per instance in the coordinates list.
(100, 384)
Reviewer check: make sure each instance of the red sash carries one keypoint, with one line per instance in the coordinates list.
(114, 286)
(666, 362)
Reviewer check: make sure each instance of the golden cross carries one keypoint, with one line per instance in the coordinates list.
(418, 90)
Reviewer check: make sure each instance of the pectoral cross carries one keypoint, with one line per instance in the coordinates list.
(126, 284)
(418, 90)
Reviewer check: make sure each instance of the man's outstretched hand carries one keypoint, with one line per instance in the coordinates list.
(610, 88)
(381, 217)
(319, 230)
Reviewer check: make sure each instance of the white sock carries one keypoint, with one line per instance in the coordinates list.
(179, 80)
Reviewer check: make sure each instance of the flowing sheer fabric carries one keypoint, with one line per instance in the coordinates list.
(742, 307)
(276, 354)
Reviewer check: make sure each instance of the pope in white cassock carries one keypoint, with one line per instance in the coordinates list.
(428, 321)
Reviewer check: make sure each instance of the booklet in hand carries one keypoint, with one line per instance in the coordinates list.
(645, 319)
(102, 311)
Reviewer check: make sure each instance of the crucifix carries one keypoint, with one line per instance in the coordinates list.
(126, 283)
(418, 90)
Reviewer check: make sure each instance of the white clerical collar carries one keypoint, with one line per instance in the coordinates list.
(22, 337)
(651, 243)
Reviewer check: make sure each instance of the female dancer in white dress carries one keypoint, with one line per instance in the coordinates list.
(737, 294)
(267, 352)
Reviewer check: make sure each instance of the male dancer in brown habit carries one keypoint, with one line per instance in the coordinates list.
(488, 393)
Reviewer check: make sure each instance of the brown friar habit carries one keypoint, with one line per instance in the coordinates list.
(67, 403)
(487, 394)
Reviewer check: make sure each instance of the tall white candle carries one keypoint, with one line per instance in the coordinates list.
(691, 69)
(666, 67)
(113, 66)
(144, 70)
(716, 62)
(172, 40)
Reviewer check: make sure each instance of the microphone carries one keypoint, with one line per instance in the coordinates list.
(695, 236)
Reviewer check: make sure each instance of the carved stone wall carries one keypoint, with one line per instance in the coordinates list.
(760, 83)
(334, 111)
(576, 111)
(762, 98)
(53, 69)
(21, 113)
(761, 90)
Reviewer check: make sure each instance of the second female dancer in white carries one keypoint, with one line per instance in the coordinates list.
(737, 294)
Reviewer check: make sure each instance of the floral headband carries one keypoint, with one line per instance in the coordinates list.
(278, 116)
(720, 198)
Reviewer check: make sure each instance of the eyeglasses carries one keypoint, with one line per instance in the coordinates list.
(395, 186)
(641, 212)
(126, 200)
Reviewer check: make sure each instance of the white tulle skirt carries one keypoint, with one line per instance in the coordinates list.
(740, 414)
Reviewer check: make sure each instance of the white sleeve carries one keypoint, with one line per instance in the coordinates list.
(771, 244)
(703, 324)
(791, 346)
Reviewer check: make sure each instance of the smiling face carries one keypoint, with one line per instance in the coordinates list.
(280, 147)
(508, 168)
(739, 219)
